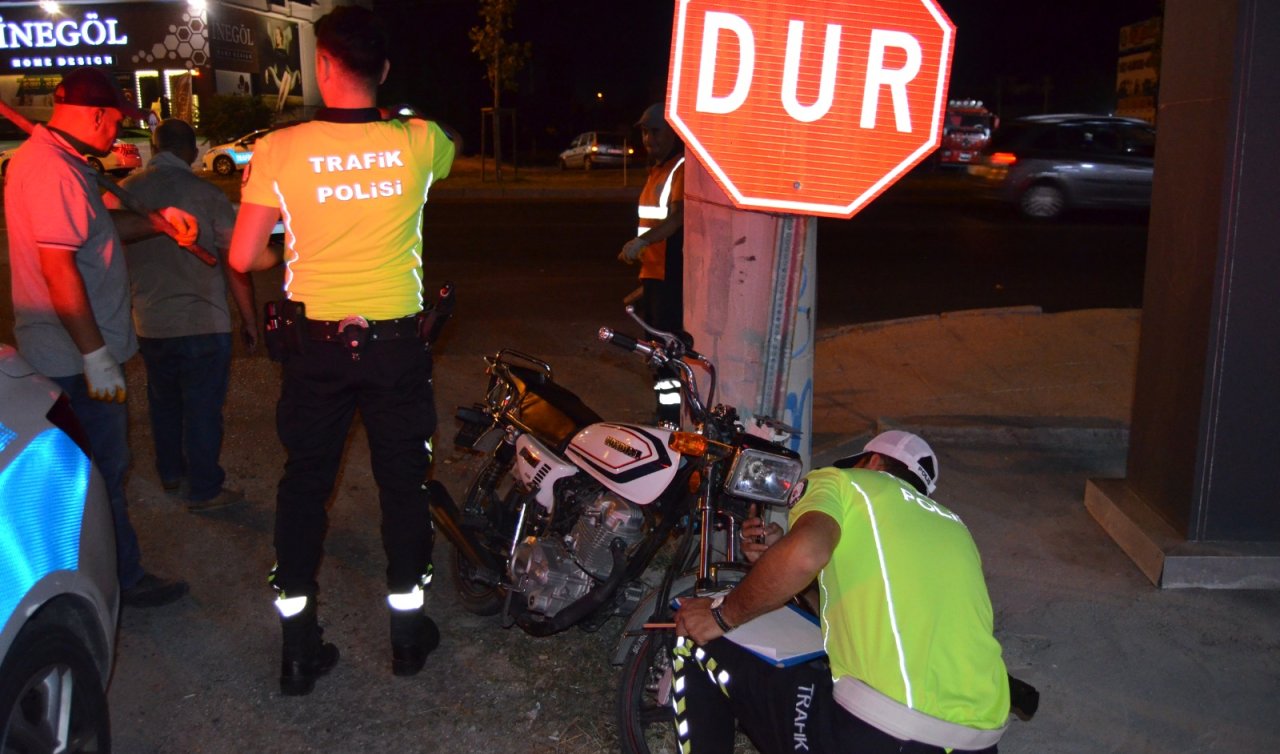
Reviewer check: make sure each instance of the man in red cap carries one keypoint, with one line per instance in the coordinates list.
(71, 289)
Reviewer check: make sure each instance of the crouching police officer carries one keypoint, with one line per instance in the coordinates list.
(350, 187)
(906, 620)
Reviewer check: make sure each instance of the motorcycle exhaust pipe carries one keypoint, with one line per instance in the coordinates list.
(446, 515)
(539, 625)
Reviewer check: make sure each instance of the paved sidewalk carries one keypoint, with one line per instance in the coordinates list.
(1011, 374)
(1022, 408)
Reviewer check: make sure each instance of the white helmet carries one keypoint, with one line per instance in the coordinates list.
(909, 449)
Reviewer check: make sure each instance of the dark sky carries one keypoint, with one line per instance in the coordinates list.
(1024, 55)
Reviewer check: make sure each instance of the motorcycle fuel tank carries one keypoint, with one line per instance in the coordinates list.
(538, 466)
(631, 460)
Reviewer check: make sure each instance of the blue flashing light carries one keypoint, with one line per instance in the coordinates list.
(42, 496)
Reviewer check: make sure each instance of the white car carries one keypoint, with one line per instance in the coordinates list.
(59, 594)
(595, 148)
(225, 159)
(123, 159)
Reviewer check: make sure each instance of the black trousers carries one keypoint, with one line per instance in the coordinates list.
(781, 709)
(323, 387)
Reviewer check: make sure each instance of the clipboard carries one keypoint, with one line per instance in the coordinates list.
(784, 637)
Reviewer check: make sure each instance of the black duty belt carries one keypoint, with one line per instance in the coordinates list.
(385, 329)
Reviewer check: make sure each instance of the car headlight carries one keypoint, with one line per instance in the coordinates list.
(759, 475)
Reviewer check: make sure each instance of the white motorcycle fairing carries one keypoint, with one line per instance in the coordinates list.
(631, 460)
(538, 466)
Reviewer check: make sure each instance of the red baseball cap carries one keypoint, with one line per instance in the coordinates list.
(93, 87)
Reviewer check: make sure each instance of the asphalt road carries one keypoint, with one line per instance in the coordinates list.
(926, 246)
(914, 253)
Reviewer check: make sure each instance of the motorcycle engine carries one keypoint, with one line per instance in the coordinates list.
(554, 572)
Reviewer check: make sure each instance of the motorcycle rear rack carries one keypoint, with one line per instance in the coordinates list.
(534, 361)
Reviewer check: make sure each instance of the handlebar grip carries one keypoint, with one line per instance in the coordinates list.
(618, 339)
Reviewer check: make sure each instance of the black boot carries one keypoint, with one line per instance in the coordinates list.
(306, 656)
(413, 637)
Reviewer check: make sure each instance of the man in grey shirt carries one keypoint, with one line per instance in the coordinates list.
(183, 323)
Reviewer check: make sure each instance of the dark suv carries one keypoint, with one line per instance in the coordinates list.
(1047, 164)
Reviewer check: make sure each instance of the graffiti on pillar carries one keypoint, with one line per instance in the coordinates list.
(795, 411)
(799, 396)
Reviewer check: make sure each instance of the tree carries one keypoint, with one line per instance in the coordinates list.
(224, 117)
(502, 59)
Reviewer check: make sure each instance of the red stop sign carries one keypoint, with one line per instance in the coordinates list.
(809, 107)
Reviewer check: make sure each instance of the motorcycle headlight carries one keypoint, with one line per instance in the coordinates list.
(763, 476)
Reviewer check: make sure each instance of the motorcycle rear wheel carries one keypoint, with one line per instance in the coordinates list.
(479, 598)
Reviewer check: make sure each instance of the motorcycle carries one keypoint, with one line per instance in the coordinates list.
(569, 510)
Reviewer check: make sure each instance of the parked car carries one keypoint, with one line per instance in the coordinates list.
(58, 588)
(225, 159)
(1048, 164)
(595, 148)
(123, 159)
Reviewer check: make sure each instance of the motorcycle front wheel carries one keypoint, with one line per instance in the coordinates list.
(475, 596)
(646, 720)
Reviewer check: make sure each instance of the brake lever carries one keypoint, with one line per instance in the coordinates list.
(671, 344)
(777, 426)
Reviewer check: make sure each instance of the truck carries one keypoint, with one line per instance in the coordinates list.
(966, 130)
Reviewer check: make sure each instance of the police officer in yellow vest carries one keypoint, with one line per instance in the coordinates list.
(907, 624)
(659, 244)
(350, 187)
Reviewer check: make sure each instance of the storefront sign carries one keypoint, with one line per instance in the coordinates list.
(65, 34)
(234, 36)
(263, 46)
(116, 35)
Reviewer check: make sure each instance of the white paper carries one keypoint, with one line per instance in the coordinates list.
(785, 636)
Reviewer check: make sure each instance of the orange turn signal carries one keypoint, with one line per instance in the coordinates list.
(1003, 158)
(688, 443)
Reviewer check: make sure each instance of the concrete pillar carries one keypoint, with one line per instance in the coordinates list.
(749, 279)
(1199, 504)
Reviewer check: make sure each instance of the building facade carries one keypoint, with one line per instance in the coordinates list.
(165, 54)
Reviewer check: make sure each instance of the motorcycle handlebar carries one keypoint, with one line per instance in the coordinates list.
(625, 342)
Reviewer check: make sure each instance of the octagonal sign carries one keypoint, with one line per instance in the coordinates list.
(809, 107)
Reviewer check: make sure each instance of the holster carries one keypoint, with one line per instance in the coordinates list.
(284, 325)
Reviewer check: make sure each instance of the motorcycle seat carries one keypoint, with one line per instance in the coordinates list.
(553, 413)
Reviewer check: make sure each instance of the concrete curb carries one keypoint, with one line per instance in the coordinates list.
(534, 193)
(1023, 432)
(1000, 311)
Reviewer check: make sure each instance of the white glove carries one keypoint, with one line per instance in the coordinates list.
(105, 377)
(631, 250)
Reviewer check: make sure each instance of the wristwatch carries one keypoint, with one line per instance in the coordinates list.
(719, 616)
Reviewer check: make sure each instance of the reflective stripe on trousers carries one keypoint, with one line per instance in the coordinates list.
(414, 598)
(684, 654)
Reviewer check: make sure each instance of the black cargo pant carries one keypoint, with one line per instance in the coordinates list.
(323, 386)
(781, 709)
